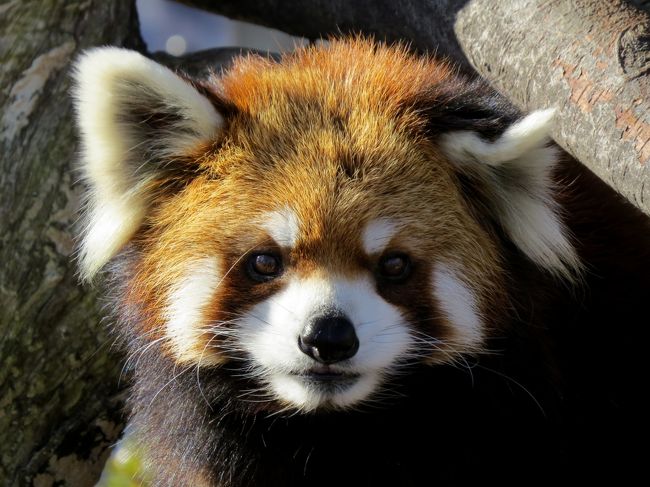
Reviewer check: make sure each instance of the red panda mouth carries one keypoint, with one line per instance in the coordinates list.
(325, 375)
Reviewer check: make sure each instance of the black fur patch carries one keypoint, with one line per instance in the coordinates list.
(452, 106)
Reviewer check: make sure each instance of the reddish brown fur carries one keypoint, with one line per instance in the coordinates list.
(336, 135)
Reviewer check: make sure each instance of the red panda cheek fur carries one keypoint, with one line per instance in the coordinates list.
(521, 263)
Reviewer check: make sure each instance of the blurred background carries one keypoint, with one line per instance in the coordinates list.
(178, 29)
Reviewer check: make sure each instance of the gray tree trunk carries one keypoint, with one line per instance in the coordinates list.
(58, 376)
(588, 58)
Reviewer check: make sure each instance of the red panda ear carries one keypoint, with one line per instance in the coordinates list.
(514, 172)
(136, 119)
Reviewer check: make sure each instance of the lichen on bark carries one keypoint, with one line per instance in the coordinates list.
(58, 375)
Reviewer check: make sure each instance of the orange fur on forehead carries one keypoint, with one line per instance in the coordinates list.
(331, 132)
(343, 74)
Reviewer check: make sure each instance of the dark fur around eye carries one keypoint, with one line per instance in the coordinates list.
(395, 267)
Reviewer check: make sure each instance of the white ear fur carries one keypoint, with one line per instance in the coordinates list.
(515, 172)
(117, 95)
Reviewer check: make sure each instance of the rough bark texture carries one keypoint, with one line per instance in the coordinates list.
(588, 58)
(58, 376)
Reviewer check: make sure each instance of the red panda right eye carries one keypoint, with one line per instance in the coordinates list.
(263, 267)
(395, 267)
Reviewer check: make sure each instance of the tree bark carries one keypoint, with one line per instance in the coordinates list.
(58, 376)
(588, 58)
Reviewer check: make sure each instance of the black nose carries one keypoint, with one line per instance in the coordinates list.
(329, 339)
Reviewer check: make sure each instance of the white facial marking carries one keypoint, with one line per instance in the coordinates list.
(283, 226)
(270, 331)
(185, 310)
(377, 235)
(459, 305)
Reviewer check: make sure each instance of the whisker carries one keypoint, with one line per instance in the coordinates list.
(507, 377)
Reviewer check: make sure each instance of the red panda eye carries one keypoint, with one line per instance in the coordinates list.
(395, 267)
(263, 267)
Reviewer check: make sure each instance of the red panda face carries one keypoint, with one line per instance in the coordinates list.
(308, 219)
(325, 278)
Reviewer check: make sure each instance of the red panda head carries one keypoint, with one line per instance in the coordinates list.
(324, 220)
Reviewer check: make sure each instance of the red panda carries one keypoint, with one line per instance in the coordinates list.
(354, 266)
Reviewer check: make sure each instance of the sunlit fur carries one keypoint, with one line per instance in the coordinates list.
(116, 90)
(377, 235)
(184, 314)
(312, 187)
(332, 160)
(282, 226)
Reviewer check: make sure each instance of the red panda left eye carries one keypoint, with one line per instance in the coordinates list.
(395, 267)
(262, 267)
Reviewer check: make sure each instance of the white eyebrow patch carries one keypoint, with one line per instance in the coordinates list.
(185, 307)
(459, 305)
(282, 225)
(378, 234)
